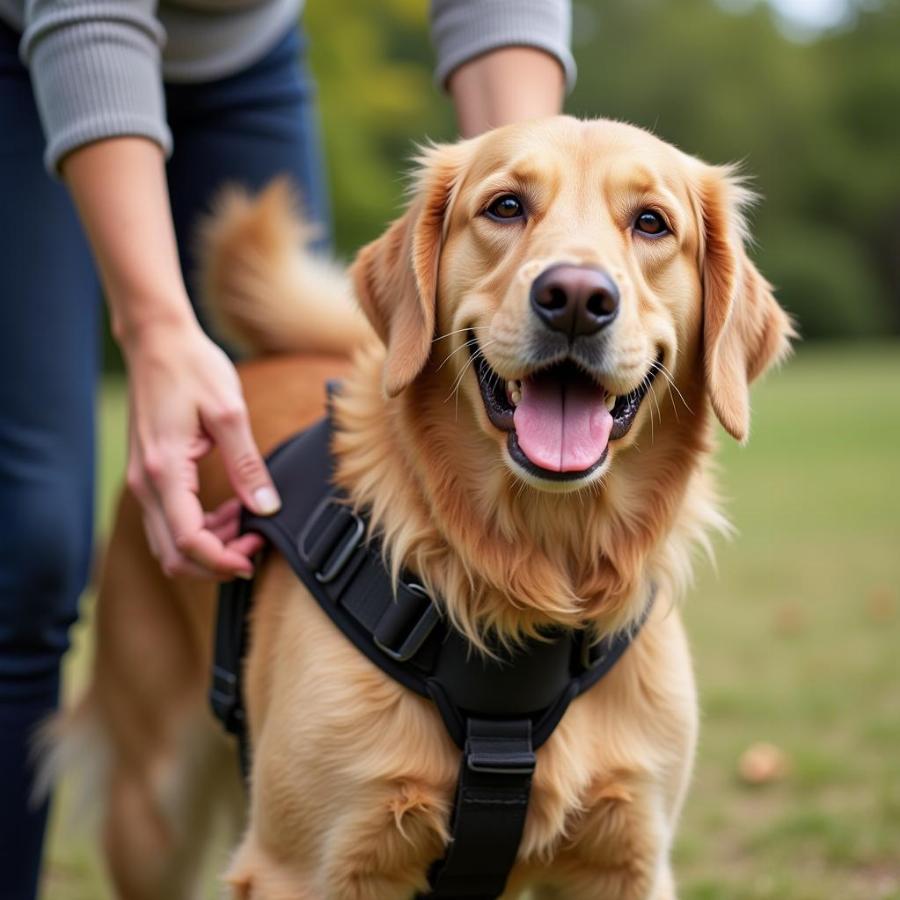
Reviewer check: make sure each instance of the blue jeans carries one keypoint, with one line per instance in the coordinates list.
(246, 128)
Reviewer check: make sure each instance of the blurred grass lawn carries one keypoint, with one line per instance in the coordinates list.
(796, 641)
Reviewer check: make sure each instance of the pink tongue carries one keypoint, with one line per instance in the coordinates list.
(563, 428)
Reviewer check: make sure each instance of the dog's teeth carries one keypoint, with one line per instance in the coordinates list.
(514, 392)
(515, 397)
(610, 401)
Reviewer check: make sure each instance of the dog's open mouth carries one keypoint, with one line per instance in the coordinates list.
(559, 419)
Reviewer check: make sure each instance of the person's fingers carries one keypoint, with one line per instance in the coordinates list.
(158, 538)
(171, 560)
(205, 548)
(181, 567)
(225, 522)
(152, 542)
(247, 472)
(134, 473)
(247, 544)
(224, 513)
(174, 482)
(226, 531)
(184, 518)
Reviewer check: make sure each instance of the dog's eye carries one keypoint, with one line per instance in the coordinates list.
(652, 223)
(506, 208)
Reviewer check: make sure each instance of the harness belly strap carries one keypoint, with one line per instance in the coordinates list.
(498, 709)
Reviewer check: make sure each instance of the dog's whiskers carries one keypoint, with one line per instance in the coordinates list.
(522, 485)
(672, 400)
(458, 383)
(656, 404)
(453, 353)
(645, 387)
(448, 334)
(671, 379)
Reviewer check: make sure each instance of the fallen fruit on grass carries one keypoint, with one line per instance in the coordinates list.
(762, 763)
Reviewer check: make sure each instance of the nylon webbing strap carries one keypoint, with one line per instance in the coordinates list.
(225, 694)
(489, 814)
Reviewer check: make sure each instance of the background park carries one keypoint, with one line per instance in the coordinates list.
(796, 629)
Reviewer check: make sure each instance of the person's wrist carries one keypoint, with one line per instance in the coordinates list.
(504, 86)
(157, 322)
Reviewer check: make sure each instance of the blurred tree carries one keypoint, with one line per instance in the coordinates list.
(373, 65)
(817, 125)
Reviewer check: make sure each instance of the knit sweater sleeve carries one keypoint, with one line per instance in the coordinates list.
(464, 29)
(95, 67)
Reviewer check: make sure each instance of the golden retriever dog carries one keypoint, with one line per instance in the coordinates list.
(527, 413)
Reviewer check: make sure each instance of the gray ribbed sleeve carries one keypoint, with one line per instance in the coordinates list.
(464, 29)
(95, 67)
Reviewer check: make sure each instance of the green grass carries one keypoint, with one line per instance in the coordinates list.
(796, 641)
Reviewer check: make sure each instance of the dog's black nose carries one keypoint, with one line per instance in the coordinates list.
(576, 300)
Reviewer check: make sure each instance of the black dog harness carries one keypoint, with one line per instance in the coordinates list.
(498, 710)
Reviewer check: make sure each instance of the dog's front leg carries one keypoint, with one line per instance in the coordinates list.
(256, 874)
(378, 848)
(381, 848)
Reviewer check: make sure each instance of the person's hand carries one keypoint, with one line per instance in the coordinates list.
(185, 398)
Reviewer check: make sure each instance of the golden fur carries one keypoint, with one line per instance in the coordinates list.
(353, 774)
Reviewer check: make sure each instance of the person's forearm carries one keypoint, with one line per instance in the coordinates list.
(184, 394)
(119, 187)
(511, 84)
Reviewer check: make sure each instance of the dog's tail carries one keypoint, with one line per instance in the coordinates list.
(72, 740)
(265, 292)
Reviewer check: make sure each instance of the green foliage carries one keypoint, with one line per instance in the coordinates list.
(373, 65)
(826, 279)
(815, 124)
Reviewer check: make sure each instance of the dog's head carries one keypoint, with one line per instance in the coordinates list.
(559, 275)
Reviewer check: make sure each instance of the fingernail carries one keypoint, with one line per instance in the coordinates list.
(246, 576)
(266, 500)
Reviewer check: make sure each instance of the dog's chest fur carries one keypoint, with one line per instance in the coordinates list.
(336, 737)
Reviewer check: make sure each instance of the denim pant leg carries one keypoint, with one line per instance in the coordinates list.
(246, 130)
(49, 304)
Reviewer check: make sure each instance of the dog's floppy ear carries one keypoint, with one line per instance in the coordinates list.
(395, 276)
(744, 328)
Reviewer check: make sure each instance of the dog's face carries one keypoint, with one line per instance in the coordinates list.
(559, 274)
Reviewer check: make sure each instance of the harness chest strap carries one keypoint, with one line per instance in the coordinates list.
(498, 710)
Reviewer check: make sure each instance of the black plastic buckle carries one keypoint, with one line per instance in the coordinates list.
(414, 635)
(589, 648)
(500, 747)
(225, 699)
(330, 537)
